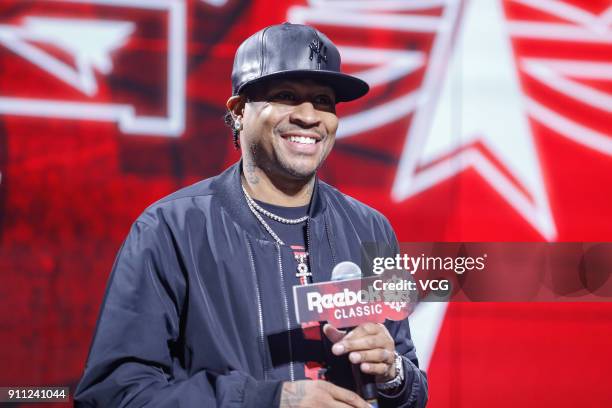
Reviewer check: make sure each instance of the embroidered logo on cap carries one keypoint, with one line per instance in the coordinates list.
(316, 47)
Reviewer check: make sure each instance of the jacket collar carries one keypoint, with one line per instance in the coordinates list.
(228, 188)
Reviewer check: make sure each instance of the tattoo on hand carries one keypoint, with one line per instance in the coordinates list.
(293, 394)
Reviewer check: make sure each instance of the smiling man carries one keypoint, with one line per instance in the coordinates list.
(198, 306)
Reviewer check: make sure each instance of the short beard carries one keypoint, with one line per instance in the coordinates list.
(295, 173)
(277, 167)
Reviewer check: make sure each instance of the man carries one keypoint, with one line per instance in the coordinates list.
(198, 306)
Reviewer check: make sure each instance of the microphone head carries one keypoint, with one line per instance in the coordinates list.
(346, 270)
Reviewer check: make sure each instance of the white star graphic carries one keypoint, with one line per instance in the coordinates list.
(479, 101)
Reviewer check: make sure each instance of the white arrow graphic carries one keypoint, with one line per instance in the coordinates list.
(89, 43)
(88, 47)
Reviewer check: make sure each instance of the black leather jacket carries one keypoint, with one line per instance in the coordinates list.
(198, 310)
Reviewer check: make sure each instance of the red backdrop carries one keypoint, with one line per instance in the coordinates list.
(488, 120)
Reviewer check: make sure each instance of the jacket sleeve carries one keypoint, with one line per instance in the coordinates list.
(414, 391)
(130, 361)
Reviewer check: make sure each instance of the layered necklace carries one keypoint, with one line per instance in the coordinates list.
(302, 269)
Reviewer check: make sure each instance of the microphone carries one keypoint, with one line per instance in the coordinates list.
(346, 270)
(365, 383)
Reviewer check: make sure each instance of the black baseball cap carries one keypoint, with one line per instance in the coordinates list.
(287, 51)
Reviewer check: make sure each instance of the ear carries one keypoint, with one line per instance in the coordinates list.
(235, 104)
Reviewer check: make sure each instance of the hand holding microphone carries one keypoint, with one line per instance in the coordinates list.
(370, 345)
(349, 302)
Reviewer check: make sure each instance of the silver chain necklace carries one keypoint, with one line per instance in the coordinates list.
(262, 221)
(291, 221)
(302, 269)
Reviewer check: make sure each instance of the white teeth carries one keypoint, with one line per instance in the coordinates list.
(302, 139)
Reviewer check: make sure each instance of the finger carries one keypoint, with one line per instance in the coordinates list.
(336, 404)
(365, 329)
(362, 343)
(333, 334)
(345, 396)
(379, 355)
(375, 368)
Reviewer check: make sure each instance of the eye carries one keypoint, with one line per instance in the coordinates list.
(324, 100)
(284, 96)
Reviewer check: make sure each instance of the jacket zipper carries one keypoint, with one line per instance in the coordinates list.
(262, 343)
(286, 306)
(309, 249)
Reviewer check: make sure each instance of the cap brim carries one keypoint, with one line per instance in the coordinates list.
(346, 87)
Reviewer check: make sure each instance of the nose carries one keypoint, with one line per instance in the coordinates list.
(305, 115)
